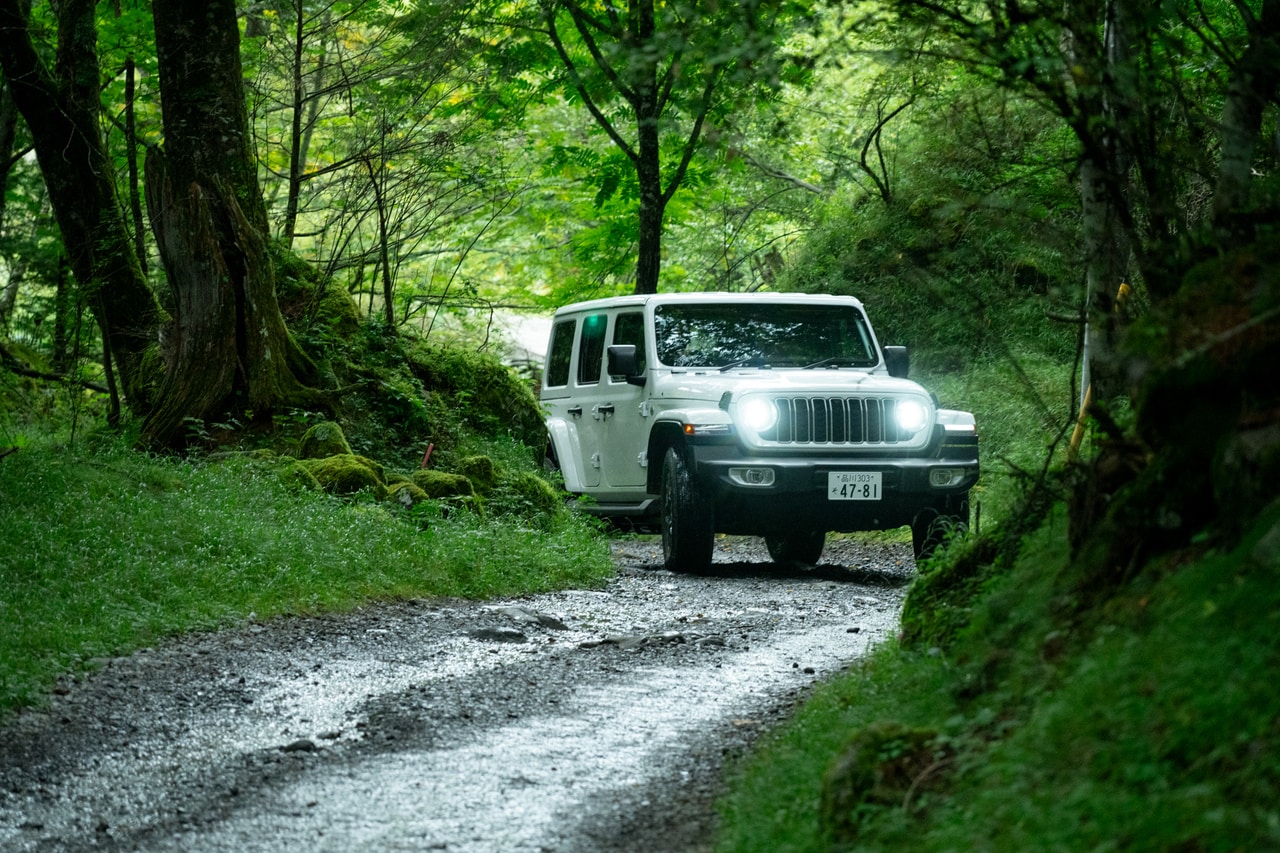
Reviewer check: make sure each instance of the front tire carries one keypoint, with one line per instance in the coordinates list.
(805, 548)
(688, 536)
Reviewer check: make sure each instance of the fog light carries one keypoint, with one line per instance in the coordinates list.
(752, 477)
(945, 477)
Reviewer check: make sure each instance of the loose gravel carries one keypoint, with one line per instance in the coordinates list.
(583, 720)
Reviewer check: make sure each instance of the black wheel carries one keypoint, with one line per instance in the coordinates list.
(687, 533)
(803, 547)
(934, 524)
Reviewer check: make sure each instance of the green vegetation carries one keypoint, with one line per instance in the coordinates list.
(106, 550)
(1145, 725)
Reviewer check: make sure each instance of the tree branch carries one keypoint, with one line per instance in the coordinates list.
(581, 87)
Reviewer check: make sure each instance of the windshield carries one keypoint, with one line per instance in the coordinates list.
(758, 334)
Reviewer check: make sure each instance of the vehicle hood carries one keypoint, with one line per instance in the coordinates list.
(712, 385)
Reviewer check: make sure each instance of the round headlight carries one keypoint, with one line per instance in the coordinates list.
(759, 415)
(911, 416)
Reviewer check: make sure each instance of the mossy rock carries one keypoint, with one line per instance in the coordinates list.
(536, 496)
(407, 493)
(297, 476)
(323, 439)
(393, 478)
(883, 765)
(440, 484)
(347, 474)
(480, 470)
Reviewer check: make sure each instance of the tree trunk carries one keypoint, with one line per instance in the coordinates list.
(1104, 182)
(649, 178)
(63, 116)
(228, 350)
(1253, 86)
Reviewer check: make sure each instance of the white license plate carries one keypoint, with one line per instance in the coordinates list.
(853, 486)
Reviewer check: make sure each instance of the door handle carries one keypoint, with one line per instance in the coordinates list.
(605, 408)
(576, 411)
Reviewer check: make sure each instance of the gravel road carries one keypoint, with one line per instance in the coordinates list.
(571, 722)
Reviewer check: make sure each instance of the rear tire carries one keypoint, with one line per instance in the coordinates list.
(805, 548)
(688, 536)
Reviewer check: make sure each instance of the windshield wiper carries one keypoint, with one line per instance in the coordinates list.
(756, 360)
(848, 360)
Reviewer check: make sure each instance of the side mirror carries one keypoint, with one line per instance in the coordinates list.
(898, 362)
(621, 360)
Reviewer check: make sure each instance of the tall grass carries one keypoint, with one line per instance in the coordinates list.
(105, 551)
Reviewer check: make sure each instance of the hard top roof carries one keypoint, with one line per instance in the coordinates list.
(705, 298)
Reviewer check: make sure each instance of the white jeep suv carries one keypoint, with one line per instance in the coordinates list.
(775, 415)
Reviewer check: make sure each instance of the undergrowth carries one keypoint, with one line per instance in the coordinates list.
(106, 550)
(1145, 725)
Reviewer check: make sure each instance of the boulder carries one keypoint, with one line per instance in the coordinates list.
(324, 439)
(346, 474)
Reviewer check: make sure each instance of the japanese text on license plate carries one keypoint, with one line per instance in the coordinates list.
(854, 485)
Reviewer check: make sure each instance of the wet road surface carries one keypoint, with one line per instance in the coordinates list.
(588, 720)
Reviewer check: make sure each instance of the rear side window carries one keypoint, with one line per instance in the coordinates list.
(560, 353)
(591, 348)
(629, 329)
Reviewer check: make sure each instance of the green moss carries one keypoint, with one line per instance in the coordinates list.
(533, 496)
(486, 395)
(297, 476)
(407, 493)
(323, 439)
(440, 484)
(480, 470)
(347, 474)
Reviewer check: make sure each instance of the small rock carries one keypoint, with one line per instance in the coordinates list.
(300, 745)
(499, 635)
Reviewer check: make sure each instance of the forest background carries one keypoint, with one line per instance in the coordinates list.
(225, 230)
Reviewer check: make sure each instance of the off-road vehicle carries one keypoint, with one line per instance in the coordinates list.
(774, 415)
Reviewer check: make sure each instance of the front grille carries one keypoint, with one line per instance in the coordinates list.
(835, 420)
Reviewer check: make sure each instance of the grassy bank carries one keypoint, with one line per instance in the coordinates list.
(1147, 724)
(106, 551)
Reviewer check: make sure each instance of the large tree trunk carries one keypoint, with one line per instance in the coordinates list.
(63, 115)
(228, 350)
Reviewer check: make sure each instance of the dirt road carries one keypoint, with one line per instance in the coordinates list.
(570, 722)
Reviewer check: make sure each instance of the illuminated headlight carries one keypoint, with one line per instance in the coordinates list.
(759, 415)
(911, 416)
(944, 477)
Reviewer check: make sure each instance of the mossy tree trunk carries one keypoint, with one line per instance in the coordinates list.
(228, 350)
(63, 113)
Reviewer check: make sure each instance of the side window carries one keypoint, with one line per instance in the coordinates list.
(591, 348)
(561, 351)
(629, 329)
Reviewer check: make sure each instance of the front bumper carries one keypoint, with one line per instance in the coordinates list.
(797, 498)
